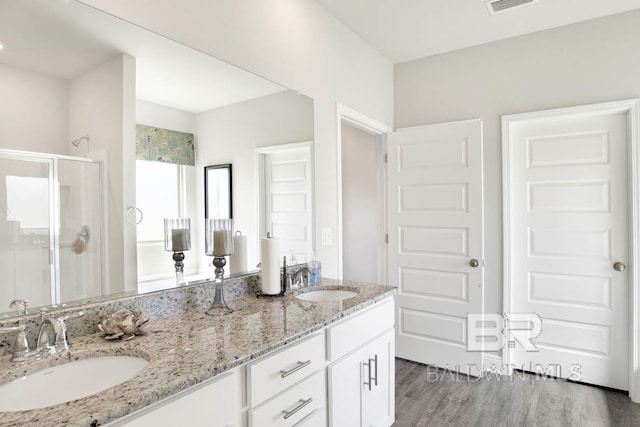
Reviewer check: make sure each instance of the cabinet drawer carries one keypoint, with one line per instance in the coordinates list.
(358, 330)
(269, 376)
(317, 418)
(291, 404)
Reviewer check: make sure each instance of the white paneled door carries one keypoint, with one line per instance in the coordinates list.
(287, 199)
(570, 244)
(435, 240)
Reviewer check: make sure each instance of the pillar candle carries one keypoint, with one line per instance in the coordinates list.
(221, 240)
(238, 261)
(179, 241)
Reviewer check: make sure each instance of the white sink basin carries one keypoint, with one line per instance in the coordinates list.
(327, 295)
(71, 381)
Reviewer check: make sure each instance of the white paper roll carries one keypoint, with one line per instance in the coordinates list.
(238, 261)
(270, 249)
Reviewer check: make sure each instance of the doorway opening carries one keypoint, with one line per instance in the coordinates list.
(362, 219)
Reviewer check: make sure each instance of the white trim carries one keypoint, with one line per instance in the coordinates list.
(374, 127)
(632, 109)
(383, 230)
(34, 154)
(455, 122)
(280, 147)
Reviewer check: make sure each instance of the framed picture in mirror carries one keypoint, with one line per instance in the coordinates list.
(218, 200)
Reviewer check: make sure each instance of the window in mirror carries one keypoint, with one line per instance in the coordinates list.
(160, 193)
(158, 196)
(218, 202)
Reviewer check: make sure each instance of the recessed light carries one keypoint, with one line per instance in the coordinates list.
(1, 46)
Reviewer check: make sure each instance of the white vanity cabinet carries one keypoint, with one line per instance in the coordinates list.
(341, 375)
(361, 374)
(216, 403)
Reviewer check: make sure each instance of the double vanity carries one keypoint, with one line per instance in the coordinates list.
(323, 355)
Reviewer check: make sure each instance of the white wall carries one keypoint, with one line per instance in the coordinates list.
(150, 114)
(34, 112)
(359, 205)
(230, 135)
(153, 258)
(102, 105)
(584, 63)
(295, 43)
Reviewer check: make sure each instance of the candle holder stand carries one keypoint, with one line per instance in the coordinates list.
(177, 239)
(219, 307)
(178, 257)
(218, 243)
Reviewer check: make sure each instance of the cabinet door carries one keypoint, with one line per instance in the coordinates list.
(215, 404)
(378, 402)
(345, 386)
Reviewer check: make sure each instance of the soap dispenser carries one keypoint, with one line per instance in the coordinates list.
(315, 268)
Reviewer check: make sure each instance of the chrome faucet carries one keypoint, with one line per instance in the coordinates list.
(21, 350)
(52, 335)
(300, 276)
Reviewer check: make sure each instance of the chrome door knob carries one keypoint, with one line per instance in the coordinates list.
(474, 263)
(618, 266)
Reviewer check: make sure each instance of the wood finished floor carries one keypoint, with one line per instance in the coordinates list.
(425, 397)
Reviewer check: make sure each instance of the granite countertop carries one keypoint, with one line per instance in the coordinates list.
(186, 349)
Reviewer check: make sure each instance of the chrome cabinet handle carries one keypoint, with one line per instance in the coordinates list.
(375, 379)
(300, 365)
(368, 365)
(474, 263)
(618, 266)
(301, 405)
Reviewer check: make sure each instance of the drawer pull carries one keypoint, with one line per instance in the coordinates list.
(301, 405)
(300, 365)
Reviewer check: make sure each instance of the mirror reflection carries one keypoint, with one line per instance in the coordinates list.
(75, 83)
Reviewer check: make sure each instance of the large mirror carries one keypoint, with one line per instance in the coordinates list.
(75, 83)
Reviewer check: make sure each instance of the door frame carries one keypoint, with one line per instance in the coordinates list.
(379, 130)
(261, 152)
(631, 108)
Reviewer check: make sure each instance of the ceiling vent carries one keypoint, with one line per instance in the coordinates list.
(496, 6)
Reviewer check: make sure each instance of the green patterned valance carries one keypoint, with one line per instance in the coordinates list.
(164, 145)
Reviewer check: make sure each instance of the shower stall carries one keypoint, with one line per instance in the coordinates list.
(51, 228)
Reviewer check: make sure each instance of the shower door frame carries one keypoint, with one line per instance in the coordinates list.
(54, 211)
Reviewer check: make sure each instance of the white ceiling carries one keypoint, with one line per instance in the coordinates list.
(65, 39)
(404, 30)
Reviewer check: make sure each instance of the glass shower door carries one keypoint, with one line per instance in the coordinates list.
(80, 240)
(26, 224)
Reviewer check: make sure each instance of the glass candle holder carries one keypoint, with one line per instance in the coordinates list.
(218, 243)
(177, 239)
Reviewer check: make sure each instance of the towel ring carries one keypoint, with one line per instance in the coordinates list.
(136, 221)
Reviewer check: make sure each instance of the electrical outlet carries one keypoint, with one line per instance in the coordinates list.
(327, 236)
